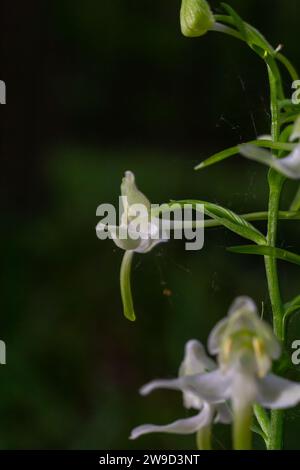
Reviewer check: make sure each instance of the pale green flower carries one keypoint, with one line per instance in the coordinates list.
(138, 232)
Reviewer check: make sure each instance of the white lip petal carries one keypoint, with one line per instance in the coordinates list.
(182, 426)
(278, 393)
(213, 387)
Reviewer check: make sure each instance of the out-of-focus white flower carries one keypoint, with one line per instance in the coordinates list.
(195, 364)
(245, 346)
(196, 18)
(289, 166)
(138, 232)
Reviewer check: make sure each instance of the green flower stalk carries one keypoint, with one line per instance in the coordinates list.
(196, 18)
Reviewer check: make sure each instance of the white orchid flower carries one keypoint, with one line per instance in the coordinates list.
(195, 364)
(245, 346)
(138, 232)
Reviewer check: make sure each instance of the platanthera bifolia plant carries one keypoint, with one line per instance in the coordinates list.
(238, 388)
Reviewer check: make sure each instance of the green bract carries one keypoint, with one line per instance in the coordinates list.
(196, 18)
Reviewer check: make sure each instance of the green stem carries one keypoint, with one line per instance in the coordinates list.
(275, 184)
(263, 419)
(289, 66)
(203, 438)
(275, 188)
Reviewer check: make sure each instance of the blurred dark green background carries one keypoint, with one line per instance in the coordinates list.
(95, 88)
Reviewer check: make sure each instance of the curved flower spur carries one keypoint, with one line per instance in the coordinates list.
(245, 347)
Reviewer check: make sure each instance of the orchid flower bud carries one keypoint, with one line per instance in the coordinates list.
(196, 18)
(295, 135)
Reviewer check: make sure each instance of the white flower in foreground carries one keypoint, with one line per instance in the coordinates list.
(195, 364)
(289, 166)
(138, 232)
(246, 346)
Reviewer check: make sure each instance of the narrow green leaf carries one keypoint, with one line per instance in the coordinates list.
(263, 419)
(230, 152)
(218, 157)
(254, 36)
(125, 285)
(230, 220)
(265, 250)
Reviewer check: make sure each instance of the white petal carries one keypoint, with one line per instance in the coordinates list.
(195, 361)
(182, 426)
(172, 384)
(213, 387)
(214, 339)
(290, 165)
(119, 235)
(151, 237)
(276, 393)
(255, 153)
(243, 304)
(147, 245)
